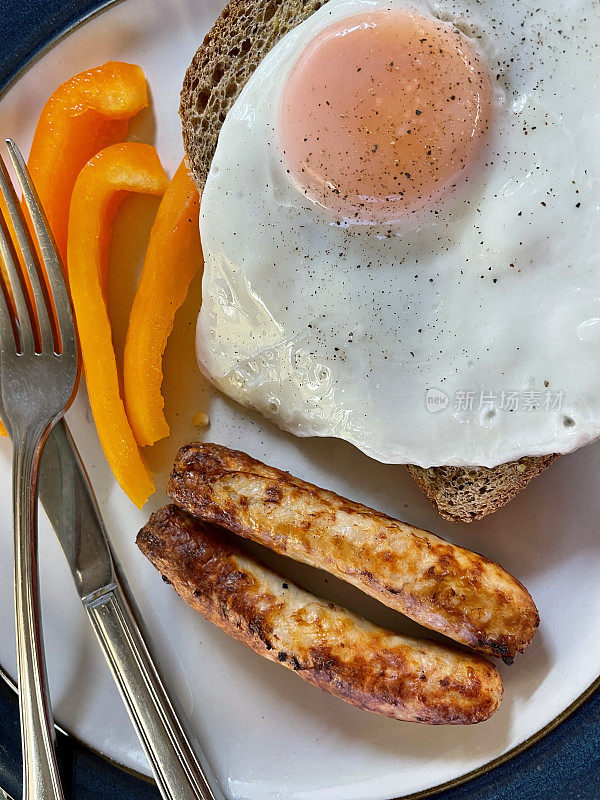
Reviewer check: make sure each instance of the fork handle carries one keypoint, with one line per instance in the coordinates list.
(177, 772)
(41, 778)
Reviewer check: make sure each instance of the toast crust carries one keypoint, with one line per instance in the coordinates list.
(326, 645)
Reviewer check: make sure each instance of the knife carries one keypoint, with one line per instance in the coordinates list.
(69, 501)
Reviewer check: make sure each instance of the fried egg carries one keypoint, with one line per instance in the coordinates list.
(400, 230)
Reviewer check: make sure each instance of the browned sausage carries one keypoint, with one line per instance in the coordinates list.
(324, 644)
(443, 587)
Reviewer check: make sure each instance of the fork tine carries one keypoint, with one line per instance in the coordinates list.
(50, 258)
(6, 317)
(13, 272)
(40, 310)
(8, 333)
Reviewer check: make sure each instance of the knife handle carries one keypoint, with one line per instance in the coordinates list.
(178, 774)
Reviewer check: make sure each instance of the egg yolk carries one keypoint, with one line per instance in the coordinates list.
(383, 114)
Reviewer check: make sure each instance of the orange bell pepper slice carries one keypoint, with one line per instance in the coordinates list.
(173, 257)
(84, 115)
(99, 189)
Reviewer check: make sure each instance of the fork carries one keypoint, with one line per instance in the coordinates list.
(38, 376)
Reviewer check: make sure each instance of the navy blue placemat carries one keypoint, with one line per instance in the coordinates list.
(86, 776)
(28, 26)
(563, 765)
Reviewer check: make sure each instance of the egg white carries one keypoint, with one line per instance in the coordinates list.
(330, 331)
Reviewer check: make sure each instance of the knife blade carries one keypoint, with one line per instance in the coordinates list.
(70, 504)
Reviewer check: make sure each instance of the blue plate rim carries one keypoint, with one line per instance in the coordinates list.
(49, 36)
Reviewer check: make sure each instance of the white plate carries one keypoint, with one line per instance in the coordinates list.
(268, 734)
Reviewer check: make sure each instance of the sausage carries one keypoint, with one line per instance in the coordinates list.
(324, 644)
(442, 586)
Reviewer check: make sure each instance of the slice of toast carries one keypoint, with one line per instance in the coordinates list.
(464, 494)
(238, 41)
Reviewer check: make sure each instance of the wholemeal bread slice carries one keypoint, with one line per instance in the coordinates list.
(238, 41)
(464, 494)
